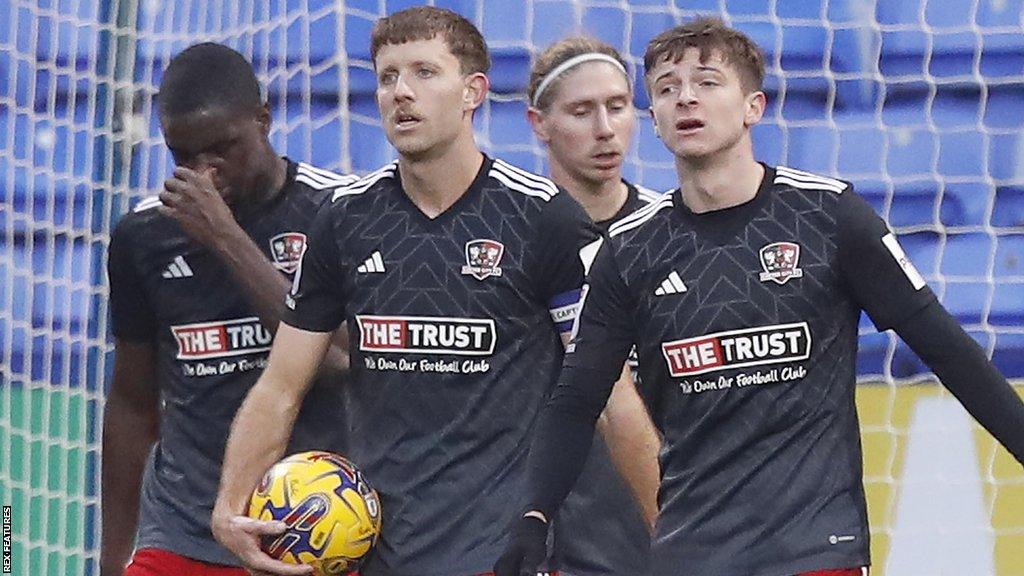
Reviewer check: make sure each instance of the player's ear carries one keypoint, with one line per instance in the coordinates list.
(654, 121)
(755, 104)
(540, 128)
(474, 91)
(264, 118)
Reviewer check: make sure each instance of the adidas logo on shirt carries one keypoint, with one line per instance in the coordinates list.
(373, 264)
(671, 285)
(178, 269)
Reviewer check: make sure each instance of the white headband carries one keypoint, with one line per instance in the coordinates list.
(574, 61)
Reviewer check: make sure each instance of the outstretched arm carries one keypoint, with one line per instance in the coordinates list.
(886, 284)
(964, 368)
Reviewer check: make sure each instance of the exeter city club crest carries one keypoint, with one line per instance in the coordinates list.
(779, 261)
(482, 258)
(287, 249)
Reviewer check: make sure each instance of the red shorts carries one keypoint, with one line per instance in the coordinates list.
(156, 562)
(843, 572)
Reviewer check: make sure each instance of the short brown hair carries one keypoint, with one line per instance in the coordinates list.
(558, 53)
(709, 34)
(426, 23)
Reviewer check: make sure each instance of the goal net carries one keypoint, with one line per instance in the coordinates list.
(916, 101)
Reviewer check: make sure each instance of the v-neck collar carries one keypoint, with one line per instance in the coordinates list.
(726, 222)
(475, 189)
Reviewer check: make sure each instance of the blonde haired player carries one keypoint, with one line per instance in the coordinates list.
(581, 109)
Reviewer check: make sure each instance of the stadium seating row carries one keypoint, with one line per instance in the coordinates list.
(967, 40)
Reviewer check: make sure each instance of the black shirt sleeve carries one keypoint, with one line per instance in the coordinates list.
(886, 285)
(602, 338)
(315, 302)
(564, 230)
(873, 267)
(964, 368)
(131, 315)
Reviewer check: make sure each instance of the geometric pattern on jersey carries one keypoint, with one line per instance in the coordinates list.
(210, 347)
(442, 428)
(739, 492)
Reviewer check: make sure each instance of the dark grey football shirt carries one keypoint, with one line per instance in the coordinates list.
(454, 323)
(168, 290)
(745, 321)
(600, 529)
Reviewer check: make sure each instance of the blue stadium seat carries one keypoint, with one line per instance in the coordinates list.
(770, 143)
(551, 22)
(313, 134)
(506, 28)
(1003, 107)
(966, 300)
(298, 36)
(70, 38)
(357, 36)
(1009, 260)
(507, 125)
(649, 162)
(611, 24)
(965, 204)
(952, 50)
(1008, 355)
(50, 281)
(504, 22)
(911, 204)
(1008, 304)
(647, 25)
(369, 148)
(1008, 209)
(48, 168)
(813, 148)
(953, 143)
(967, 255)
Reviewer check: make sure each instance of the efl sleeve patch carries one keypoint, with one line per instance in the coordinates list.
(916, 280)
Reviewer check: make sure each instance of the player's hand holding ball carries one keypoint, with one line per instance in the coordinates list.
(330, 514)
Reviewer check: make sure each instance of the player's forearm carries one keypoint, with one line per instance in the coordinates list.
(563, 438)
(261, 284)
(258, 438)
(265, 288)
(966, 371)
(128, 435)
(633, 443)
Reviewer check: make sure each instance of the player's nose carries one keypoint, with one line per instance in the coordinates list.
(603, 125)
(403, 91)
